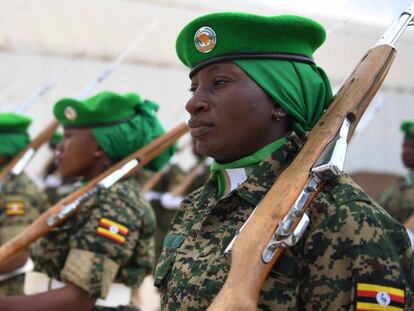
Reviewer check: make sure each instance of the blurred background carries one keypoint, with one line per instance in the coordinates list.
(40, 39)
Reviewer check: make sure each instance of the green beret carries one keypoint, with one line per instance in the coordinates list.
(11, 122)
(407, 127)
(104, 108)
(221, 36)
(13, 133)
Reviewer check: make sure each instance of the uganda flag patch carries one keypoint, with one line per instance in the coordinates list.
(15, 208)
(112, 230)
(379, 296)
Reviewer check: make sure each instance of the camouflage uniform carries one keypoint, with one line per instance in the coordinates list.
(398, 199)
(172, 177)
(21, 202)
(350, 240)
(81, 253)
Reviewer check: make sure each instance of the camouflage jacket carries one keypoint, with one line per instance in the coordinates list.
(352, 247)
(21, 202)
(398, 199)
(110, 239)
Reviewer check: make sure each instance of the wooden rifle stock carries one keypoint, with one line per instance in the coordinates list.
(41, 227)
(44, 136)
(248, 271)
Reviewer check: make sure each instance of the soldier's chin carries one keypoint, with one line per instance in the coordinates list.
(205, 148)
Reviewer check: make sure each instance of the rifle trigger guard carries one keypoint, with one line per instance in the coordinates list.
(277, 241)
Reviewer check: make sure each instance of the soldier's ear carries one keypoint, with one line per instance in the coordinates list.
(98, 152)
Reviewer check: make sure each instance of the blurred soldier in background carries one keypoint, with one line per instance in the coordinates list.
(398, 199)
(21, 202)
(98, 257)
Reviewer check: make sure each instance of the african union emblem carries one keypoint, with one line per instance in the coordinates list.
(70, 113)
(205, 39)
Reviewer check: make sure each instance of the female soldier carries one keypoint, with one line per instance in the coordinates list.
(95, 259)
(253, 82)
(398, 198)
(21, 201)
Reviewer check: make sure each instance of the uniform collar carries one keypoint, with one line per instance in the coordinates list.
(251, 182)
(230, 175)
(263, 175)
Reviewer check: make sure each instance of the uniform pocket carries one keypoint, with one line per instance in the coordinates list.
(166, 261)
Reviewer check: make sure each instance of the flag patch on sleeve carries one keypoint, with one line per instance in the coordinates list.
(112, 230)
(379, 296)
(15, 208)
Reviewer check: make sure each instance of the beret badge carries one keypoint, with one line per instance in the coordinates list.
(205, 39)
(70, 113)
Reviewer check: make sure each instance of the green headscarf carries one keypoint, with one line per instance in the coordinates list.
(12, 143)
(122, 139)
(302, 90)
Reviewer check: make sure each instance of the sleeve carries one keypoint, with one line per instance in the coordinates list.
(17, 212)
(357, 258)
(103, 244)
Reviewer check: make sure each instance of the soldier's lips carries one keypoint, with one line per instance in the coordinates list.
(199, 128)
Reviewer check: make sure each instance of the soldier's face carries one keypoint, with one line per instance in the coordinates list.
(75, 153)
(408, 152)
(231, 116)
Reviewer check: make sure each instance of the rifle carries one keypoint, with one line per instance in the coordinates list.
(42, 90)
(19, 162)
(280, 219)
(66, 207)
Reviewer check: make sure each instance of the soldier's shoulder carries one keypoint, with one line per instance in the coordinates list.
(23, 185)
(342, 197)
(126, 195)
(127, 190)
(343, 202)
(343, 190)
